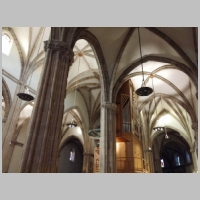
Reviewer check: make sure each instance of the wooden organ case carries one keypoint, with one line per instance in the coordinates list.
(128, 135)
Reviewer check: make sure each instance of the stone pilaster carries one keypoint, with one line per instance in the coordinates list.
(87, 156)
(40, 153)
(87, 159)
(195, 128)
(194, 159)
(149, 156)
(9, 127)
(157, 163)
(108, 138)
(4, 120)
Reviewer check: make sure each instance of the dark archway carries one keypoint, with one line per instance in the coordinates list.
(175, 156)
(71, 157)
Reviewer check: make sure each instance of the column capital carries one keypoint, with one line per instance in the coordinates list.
(148, 150)
(192, 150)
(108, 105)
(62, 47)
(195, 126)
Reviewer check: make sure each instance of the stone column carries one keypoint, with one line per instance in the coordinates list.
(194, 159)
(149, 155)
(195, 128)
(40, 153)
(87, 156)
(157, 162)
(9, 128)
(108, 138)
(157, 165)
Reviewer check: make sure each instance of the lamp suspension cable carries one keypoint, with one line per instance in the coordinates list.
(142, 91)
(141, 56)
(73, 123)
(37, 54)
(162, 108)
(154, 94)
(76, 82)
(26, 96)
(158, 128)
(166, 136)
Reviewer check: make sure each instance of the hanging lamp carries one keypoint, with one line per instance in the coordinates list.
(26, 95)
(73, 124)
(166, 136)
(143, 90)
(157, 128)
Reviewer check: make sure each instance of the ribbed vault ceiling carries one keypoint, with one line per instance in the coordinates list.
(169, 52)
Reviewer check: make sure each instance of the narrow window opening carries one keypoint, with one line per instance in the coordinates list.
(6, 44)
(162, 163)
(177, 160)
(72, 155)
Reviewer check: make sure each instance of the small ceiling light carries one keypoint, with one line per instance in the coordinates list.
(143, 91)
(166, 136)
(72, 124)
(158, 128)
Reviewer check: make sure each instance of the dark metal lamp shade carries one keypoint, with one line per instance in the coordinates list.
(144, 91)
(25, 96)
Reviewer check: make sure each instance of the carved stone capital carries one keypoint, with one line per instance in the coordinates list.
(62, 47)
(111, 106)
(195, 126)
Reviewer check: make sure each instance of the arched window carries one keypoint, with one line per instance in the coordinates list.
(6, 44)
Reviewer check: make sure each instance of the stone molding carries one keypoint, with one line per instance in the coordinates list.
(88, 154)
(62, 47)
(111, 106)
(148, 150)
(4, 120)
(195, 126)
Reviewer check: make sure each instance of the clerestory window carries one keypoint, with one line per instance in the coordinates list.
(6, 44)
